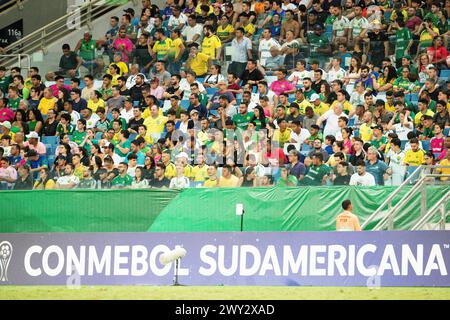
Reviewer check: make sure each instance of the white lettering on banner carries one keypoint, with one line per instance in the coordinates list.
(139, 265)
(244, 260)
(254, 251)
(389, 261)
(99, 264)
(204, 257)
(27, 261)
(52, 272)
(336, 256)
(291, 265)
(160, 272)
(314, 260)
(223, 270)
(367, 272)
(270, 262)
(119, 259)
(435, 254)
(415, 262)
(76, 261)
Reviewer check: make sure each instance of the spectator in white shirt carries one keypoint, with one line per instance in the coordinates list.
(127, 111)
(336, 72)
(193, 31)
(298, 134)
(332, 118)
(361, 177)
(69, 180)
(265, 44)
(177, 20)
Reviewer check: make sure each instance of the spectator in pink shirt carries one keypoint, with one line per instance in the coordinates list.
(155, 89)
(123, 45)
(60, 86)
(282, 85)
(8, 175)
(6, 114)
(437, 142)
(34, 144)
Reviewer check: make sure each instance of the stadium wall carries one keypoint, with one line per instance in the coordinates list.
(195, 210)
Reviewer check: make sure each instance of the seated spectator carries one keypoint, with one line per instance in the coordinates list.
(68, 180)
(69, 64)
(362, 177)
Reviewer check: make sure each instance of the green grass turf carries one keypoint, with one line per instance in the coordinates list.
(220, 293)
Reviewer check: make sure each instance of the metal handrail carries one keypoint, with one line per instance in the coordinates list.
(53, 31)
(19, 58)
(439, 205)
(388, 201)
(10, 4)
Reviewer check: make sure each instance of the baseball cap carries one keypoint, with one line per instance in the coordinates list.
(33, 134)
(182, 155)
(6, 124)
(314, 97)
(294, 105)
(193, 111)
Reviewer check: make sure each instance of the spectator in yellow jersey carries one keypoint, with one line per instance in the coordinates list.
(415, 156)
(211, 45)
(225, 31)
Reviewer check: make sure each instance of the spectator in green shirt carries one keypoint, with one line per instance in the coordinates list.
(243, 118)
(317, 173)
(286, 180)
(123, 180)
(403, 40)
(405, 83)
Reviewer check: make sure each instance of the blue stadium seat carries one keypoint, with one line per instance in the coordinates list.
(306, 147)
(98, 135)
(351, 122)
(211, 91)
(50, 140)
(109, 116)
(426, 145)
(446, 131)
(291, 98)
(445, 74)
(184, 104)
(48, 148)
(436, 155)
(201, 80)
(413, 97)
(356, 133)
(404, 142)
(409, 171)
(51, 160)
(133, 136)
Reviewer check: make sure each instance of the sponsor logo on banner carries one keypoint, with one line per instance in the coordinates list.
(6, 251)
(372, 259)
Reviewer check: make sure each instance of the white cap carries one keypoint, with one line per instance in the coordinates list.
(33, 134)
(314, 97)
(6, 124)
(182, 155)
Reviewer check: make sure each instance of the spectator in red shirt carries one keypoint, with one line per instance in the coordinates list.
(438, 53)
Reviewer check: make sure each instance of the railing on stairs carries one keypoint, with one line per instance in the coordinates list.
(441, 206)
(39, 39)
(426, 177)
(9, 4)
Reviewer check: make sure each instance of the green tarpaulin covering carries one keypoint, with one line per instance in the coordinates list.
(81, 210)
(281, 209)
(196, 210)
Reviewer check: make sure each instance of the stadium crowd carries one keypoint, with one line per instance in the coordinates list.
(221, 94)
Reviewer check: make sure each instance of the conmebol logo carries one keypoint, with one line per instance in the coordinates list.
(6, 251)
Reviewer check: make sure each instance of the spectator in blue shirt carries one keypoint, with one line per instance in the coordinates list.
(377, 168)
(36, 163)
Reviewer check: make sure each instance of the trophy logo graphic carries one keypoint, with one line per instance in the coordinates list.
(6, 251)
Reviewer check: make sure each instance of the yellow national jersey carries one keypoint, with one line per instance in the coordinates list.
(200, 173)
(171, 171)
(249, 29)
(155, 125)
(209, 46)
(414, 158)
(162, 48)
(224, 33)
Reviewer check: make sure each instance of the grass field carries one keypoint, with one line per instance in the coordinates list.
(220, 293)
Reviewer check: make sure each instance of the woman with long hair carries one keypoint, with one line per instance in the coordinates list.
(325, 91)
(423, 62)
(149, 168)
(346, 140)
(156, 153)
(45, 182)
(35, 120)
(354, 71)
(19, 123)
(386, 81)
(259, 118)
(214, 76)
(95, 101)
(96, 163)
(139, 181)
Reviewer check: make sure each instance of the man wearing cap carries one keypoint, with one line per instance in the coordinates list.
(5, 130)
(34, 144)
(36, 162)
(294, 113)
(378, 139)
(318, 106)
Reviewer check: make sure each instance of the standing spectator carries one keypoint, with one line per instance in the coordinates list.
(347, 221)
(379, 170)
(242, 53)
(87, 48)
